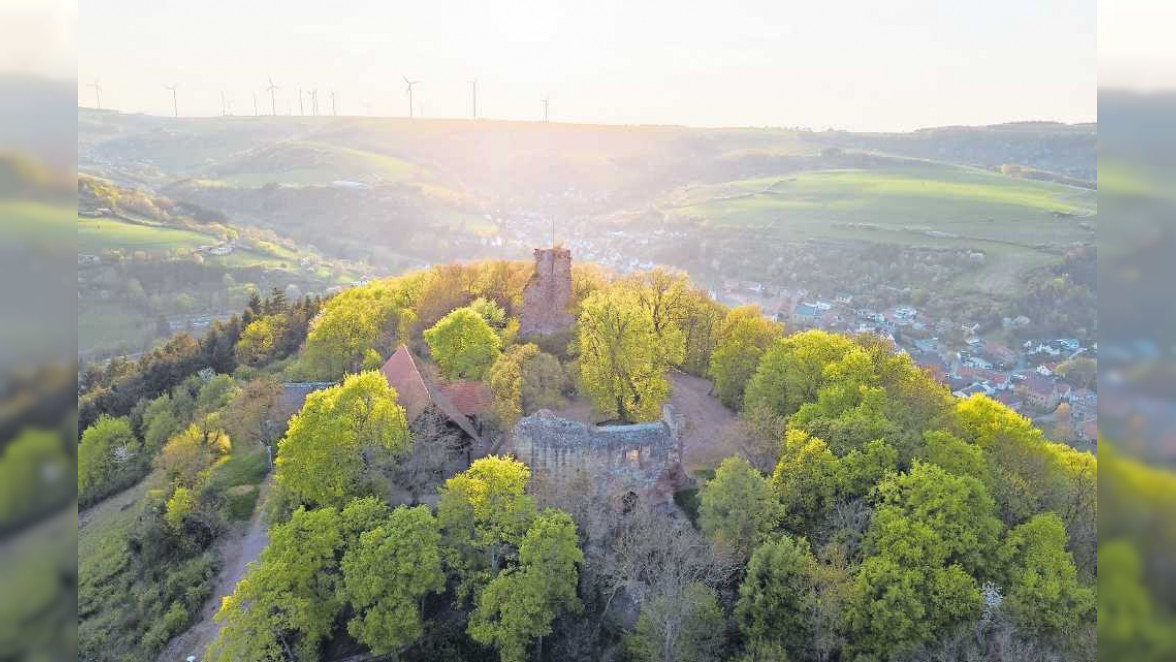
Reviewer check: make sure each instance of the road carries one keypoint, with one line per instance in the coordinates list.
(238, 550)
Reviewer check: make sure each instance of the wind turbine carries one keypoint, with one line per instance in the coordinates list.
(545, 103)
(333, 103)
(175, 102)
(300, 109)
(224, 107)
(409, 84)
(273, 99)
(97, 93)
(474, 85)
(314, 102)
(255, 113)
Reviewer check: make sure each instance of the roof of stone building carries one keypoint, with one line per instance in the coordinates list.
(415, 393)
(402, 374)
(471, 397)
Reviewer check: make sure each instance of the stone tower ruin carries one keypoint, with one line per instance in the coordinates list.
(548, 294)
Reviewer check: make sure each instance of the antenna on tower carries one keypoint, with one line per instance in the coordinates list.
(175, 102)
(97, 93)
(408, 88)
(274, 99)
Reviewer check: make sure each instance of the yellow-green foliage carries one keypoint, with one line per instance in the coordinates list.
(332, 444)
(463, 344)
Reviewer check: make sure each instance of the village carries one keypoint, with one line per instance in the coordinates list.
(1030, 377)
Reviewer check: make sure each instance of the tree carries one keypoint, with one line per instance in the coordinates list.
(743, 337)
(108, 458)
(187, 458)
(792, 370)
(928, 516)
(893, 607)
(484, 509)
(249, 415)
(287, 603)
(1042, 589)
(685, 628)
(354, 321)
(523, 379)
(181, 504)
(259, 340)
(341, 439)
(738, 507)
(520, 604)
(623, 362)
(388, 572)
(1081, 372)
(491, 312)
(463, 344)
(159, 422)
(806, 480)
(775, 594)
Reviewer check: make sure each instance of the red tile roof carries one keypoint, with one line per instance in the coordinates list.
(471, 397)
(402, 374)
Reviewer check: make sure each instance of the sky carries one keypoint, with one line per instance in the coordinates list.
(847, 64)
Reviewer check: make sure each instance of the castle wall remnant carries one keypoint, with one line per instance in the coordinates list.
(547, 294)
(630, 457)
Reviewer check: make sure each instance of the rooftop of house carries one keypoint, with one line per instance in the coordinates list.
(415, 393)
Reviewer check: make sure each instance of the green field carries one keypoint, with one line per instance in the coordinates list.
(1018, 224)
(96, 235)
(305, 163)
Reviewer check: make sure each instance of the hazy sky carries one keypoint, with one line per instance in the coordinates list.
(853, 64)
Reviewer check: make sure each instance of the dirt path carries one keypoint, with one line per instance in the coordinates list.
(704, 423)
(238, 549)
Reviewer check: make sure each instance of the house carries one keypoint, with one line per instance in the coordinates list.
(997, 381)
(1000, 355)
(1040, 392)
(418, 395)
(969, 391)
(806, 313)
(905, 313)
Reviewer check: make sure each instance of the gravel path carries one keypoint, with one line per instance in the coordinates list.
(704, 423)
(241, 547)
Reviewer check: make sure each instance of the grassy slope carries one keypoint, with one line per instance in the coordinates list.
(99, 234)
(1010, 220)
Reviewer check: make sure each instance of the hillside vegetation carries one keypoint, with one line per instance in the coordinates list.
(868, 515)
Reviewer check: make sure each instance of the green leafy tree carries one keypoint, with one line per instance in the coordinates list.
(484, 510)
(893, 607)
(386, 575)
(181, 504)
(738, 507)
(743, 338)
(806, 480)
(354, 321)
(260, 339)
(683, 628)
(287, 603)
(463, 344)
(519, 605)
(523, 379)
(160, 422)
(489, 311)
(623, 360)
(792, 371)
(932, 517)
(339, 440)
(1042, 589)
(775, 596)
(109, 457)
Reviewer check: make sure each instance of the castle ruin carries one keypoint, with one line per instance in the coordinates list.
(548, 293)
(643, 457)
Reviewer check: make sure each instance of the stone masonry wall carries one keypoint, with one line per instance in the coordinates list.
(547, 294)
(630, 457)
